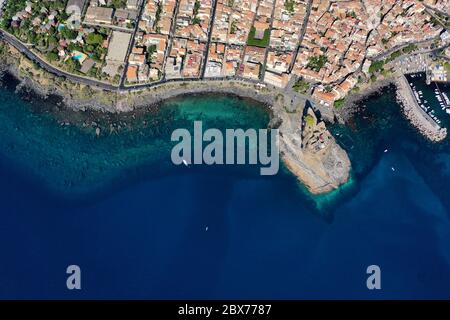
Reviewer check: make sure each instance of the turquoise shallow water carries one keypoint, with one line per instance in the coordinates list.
(136, 224)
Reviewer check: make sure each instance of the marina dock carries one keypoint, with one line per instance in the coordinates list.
(425, 123)
(442, 98)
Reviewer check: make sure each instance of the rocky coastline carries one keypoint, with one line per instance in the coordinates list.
(352, 101)
(320, 173)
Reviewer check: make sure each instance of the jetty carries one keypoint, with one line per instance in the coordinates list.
(415, 114)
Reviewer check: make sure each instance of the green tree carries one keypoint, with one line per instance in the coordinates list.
(339, 103)
(376, 66)
(52, 56)
(317, 62)
(52, 40)
(68, 33)
(119, 4)
(94, 39)
(301, 86)
(289, 5)
(150, 50)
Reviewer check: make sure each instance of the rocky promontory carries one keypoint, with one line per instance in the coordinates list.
(310, 151)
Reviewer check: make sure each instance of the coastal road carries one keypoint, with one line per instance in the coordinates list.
(445, 14)
(23, 48)
(398, 47)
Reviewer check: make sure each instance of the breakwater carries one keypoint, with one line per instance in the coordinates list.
(418, 117)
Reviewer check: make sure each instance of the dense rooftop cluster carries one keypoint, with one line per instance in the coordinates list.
(347, 33)
(328, 45)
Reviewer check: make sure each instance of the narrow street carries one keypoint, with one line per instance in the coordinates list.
(210, 28)
(130, 47)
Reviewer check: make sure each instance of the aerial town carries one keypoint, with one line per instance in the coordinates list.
(320, 47)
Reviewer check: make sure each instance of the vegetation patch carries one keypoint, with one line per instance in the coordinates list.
(338, 104)
(317, 62)
(447, 66)
(289, 5)
(301, 86)
(309, 120)
(264, 42)
(376, 66)
(45, 28)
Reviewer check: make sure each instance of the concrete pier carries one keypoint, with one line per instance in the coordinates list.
(418, 117)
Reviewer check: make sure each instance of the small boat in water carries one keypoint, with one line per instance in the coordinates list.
(185, 163)
(385, 150)
(392, 168)
(446, 99)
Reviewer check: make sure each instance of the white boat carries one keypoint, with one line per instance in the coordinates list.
(446, 99)
(206, 229)
(185, 163)
(447, 110)
(385, 150)
(392, 168)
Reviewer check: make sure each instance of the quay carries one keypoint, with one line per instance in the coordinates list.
(418, 117)
(442, 98)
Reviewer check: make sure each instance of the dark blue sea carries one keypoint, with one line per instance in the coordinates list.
(140, 227)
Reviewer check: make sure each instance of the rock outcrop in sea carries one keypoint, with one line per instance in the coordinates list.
(310, 151)
(320, 170)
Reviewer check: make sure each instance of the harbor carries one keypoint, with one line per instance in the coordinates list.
(442, 98)
(420, 111)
